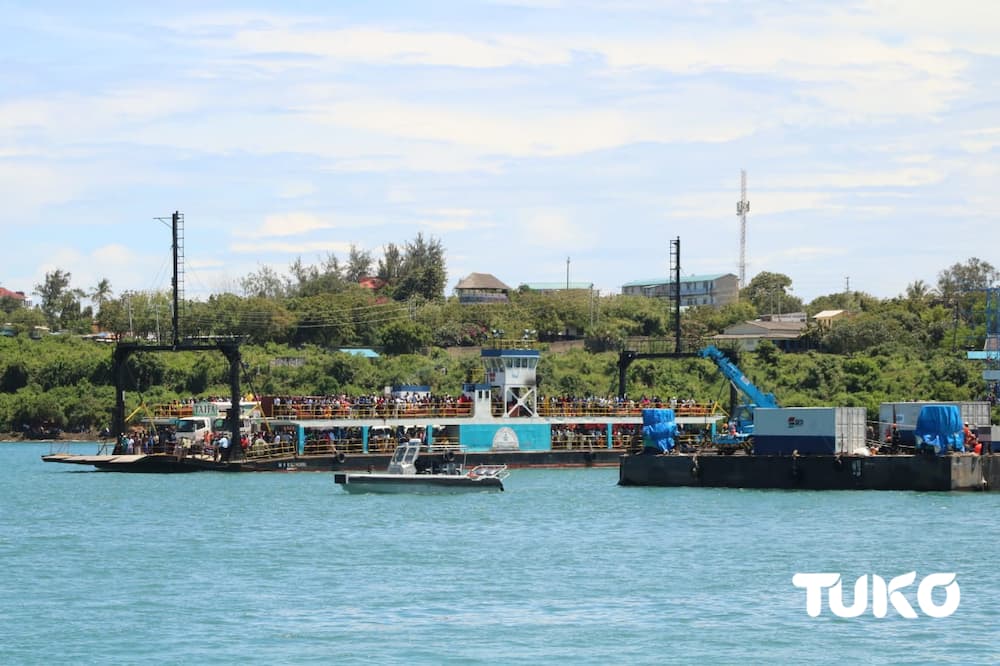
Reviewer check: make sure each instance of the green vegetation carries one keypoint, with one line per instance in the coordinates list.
(904, 348)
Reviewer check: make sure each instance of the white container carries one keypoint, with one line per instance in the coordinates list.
(904, 415)
(809, 430)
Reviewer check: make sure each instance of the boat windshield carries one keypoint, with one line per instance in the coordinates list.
(406, 454)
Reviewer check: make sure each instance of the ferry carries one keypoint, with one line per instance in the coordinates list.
(501, 420)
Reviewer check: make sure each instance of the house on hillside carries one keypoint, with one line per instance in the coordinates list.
(785, 335)
(16, 296)
(371, 282)
(481, 288)
(714, 290)
(826, 318)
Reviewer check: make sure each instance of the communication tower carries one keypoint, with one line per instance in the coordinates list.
(742, 208)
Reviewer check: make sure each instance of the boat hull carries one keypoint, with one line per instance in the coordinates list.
(415, 483)
(882, 472)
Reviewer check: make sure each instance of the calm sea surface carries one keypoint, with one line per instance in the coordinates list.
(565, 567)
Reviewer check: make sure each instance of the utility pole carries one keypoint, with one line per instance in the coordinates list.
(675, 267)
(131, 332)
(567, 274)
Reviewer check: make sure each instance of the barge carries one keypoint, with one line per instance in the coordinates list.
(813, 472)
(821, 449)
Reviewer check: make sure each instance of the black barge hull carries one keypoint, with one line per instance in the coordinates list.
(882, 472)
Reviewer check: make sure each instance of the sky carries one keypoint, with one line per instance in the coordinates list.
(532, 138)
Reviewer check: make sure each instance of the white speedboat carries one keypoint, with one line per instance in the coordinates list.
(403, 476)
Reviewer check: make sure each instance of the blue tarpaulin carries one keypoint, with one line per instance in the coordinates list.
(939, 428)
(659, 430)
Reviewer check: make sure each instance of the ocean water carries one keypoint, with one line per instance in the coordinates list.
(565, 567)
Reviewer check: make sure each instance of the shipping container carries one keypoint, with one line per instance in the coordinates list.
(809, 430)
(904, 415)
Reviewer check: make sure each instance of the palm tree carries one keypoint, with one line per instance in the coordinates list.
(918, 291)
(101, 293)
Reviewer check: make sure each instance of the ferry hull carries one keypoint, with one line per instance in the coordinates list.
(895, 472)
(157, 463)
(149, 464)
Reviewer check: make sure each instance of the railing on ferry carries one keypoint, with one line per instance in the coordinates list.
(392, 410)
(173, 410)
(383, 411)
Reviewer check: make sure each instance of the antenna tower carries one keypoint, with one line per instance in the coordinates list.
(742, 208)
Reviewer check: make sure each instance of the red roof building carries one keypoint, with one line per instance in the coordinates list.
(16, 295)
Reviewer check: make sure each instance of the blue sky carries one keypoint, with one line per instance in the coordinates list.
(520, 133)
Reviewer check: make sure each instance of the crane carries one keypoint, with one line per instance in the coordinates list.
(743, 415)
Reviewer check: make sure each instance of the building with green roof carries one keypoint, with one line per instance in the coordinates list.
(714, 290)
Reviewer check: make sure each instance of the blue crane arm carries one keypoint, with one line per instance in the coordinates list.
(732, 372)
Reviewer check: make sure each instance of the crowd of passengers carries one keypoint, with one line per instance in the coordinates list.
(332, 406)
(376, 402)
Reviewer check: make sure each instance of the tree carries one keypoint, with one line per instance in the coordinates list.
(390, 266)
(404, 337)
(918, 291)
(9, 304)
(60, 303)
(359, 264)
(264, 283)
(101, 293)
(974, 275)
(113, 317)
(768, 292)
(417, 270)
(313, 280)
(963, 286)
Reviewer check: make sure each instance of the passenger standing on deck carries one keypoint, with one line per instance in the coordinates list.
(224, 447)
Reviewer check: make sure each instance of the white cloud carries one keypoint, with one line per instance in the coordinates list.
(295, 189)
(555, 229)
(286, 224)
(373, 45)
(981, 140)
(454, 219)
(300, 249)
(25, 186)
(858, 178)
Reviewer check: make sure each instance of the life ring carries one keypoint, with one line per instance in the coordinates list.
(341, 457)
(449, 456)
